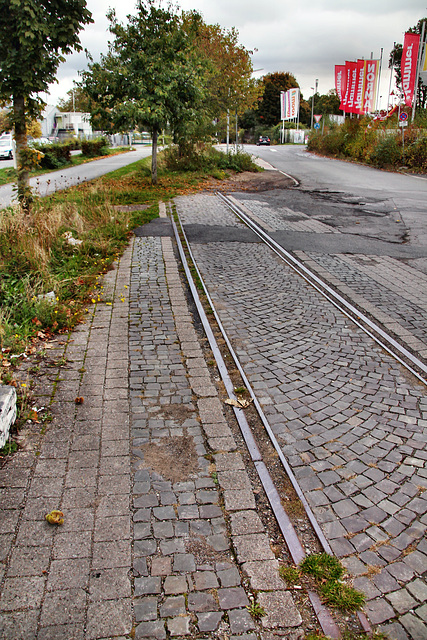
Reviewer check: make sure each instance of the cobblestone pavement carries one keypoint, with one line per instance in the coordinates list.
(351, 421)
(395, 293)
(72, 581)
(161, 535)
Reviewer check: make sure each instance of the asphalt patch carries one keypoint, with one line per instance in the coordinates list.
(157, 228)
(204, 234)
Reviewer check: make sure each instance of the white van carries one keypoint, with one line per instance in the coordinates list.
(6, 147)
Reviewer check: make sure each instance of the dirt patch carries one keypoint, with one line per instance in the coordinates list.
(175, 458)
(203, 552)
(248, 181)
(178, 412)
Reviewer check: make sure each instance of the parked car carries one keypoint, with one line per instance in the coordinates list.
(6, 148)
(38, 141)
(263, 140)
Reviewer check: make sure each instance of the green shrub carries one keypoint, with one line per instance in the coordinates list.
(55, 155)
(387, 152)
(96, 147)
(416, 154)
(206, 158)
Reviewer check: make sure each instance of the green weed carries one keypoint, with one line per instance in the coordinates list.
(327, 573)
(256, 610)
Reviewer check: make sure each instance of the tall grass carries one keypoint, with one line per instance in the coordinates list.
(37, 257)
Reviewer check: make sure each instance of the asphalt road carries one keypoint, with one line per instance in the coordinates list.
(402, 198)
(64, 178)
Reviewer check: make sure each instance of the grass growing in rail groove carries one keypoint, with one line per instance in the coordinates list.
(326, 573)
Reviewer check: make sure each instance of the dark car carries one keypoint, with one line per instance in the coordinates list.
(263, 140)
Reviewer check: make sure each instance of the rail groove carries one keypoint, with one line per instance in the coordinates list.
(296, 550)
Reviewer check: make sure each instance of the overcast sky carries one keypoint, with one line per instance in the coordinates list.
(307, 38)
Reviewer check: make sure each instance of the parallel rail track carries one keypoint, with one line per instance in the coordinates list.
(292, 541)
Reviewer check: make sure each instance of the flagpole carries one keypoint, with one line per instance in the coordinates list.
(391, 78)
(379, 79)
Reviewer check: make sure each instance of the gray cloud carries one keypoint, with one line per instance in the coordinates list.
(307, 39)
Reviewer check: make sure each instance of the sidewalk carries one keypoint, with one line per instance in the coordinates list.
(161, 535)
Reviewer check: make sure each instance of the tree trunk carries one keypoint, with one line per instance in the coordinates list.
(154, 157)
(24, 193)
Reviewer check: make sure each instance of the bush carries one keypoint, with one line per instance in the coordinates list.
(416, 154)
(96, 147)
(55, 155)
(387, 152)
(207, 159)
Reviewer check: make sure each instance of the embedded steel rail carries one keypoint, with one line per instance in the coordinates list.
(373, 330)
(292, 541)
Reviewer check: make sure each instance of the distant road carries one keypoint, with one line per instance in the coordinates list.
(64, 178)
(404, 196)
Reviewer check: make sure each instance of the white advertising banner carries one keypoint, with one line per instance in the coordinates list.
(289, 104)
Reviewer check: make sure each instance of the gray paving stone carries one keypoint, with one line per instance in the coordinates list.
(394, 630)
(173, 606)
(418, 589)
(401, 600)
(229, 577)
(379, 611)
(246, 522)
(240, 620)
(155, 629)
(280, 610)
(202, 602)
(232, 598)
(253, 547)
(179, 626)
(184, 563)
(209, 621)
(145, 609)
(263, 575)
(175, 585)
(147, 585)
(205, 580)
(415, 627)
(385, 582)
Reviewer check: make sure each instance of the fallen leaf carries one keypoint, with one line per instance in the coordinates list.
(79, 400)
(55, 517)
(240, 404)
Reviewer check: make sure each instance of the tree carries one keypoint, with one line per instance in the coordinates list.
(227, 76)
(269, 105)
(34, 37)
(147, 78)
(77, 100)
(5, 124)
(395, 61)
(328, 103)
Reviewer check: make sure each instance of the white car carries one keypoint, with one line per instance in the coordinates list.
(39, 141)
(6, 147)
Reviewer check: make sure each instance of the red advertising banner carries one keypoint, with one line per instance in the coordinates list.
(340, 80)
(348, 103)
(409, 66)
(360, 84)
(370, 86)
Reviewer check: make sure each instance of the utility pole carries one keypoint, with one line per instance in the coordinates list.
(312, 101)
